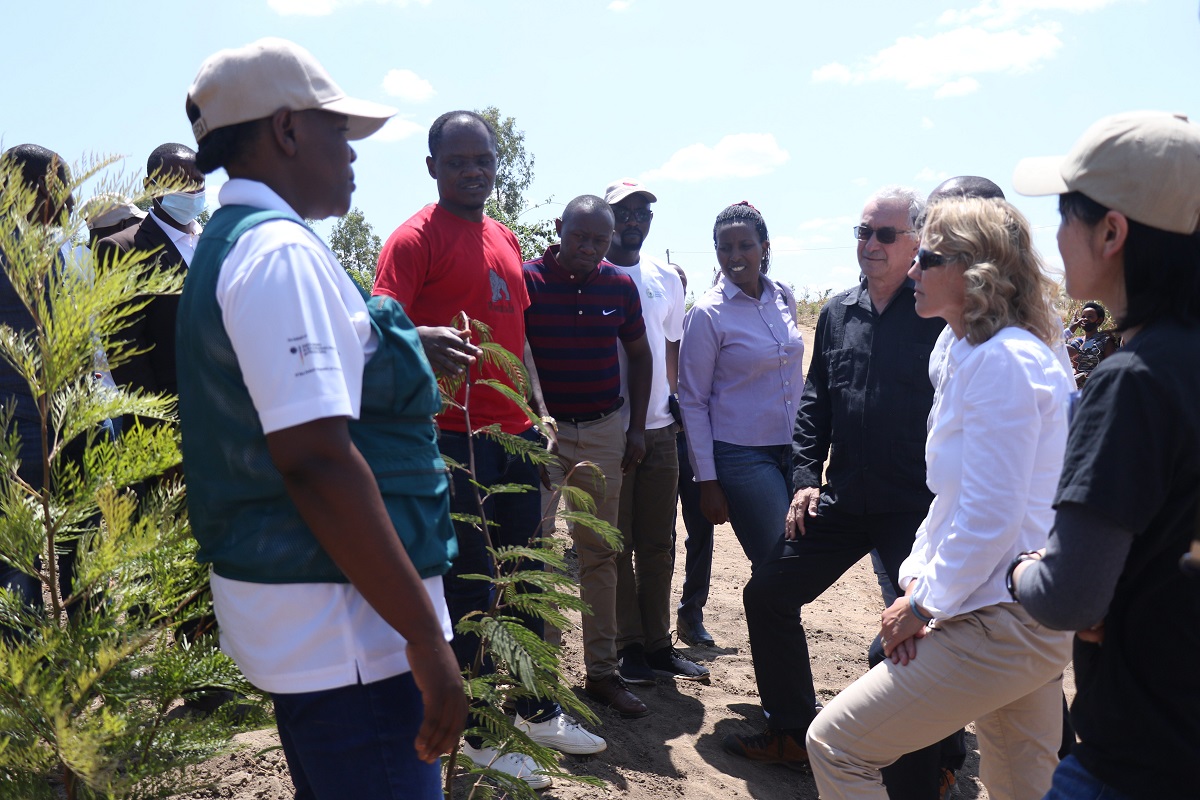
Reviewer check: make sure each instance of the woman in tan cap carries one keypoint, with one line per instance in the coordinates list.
(959, 649)
(315, 487)
(1129, 195)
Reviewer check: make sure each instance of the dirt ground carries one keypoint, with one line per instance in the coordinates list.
(675, 752)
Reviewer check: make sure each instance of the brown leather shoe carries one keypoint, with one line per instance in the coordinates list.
(611, 691)
(769, 747)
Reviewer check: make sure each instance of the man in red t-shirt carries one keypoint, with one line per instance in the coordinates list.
(450, 257)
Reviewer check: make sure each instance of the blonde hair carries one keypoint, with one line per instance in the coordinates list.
(1006, 284)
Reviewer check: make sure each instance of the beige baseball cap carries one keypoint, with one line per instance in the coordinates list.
(255, 81)
(1145, 164)
(105, 210)
(619, 190)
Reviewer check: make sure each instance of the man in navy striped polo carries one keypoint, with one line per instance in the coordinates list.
(579, 308)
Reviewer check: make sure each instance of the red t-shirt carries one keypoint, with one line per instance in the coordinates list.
(437, 264)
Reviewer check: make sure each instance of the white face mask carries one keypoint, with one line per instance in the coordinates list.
(183, 206)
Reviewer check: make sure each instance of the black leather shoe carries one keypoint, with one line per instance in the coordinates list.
(694, 634)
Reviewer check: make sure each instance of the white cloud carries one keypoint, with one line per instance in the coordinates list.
(999, 13)
(926, 123)
(859, 182)
(322, 8)
(397, 128)
(620, 5)
(740, 155)
(958, 88)
(930, 174)
(944, 59)
(407, 85)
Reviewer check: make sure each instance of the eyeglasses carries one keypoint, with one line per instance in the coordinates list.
(623, 215)
(927, 258)
(884, 235)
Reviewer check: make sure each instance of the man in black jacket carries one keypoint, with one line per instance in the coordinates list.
(169, 233)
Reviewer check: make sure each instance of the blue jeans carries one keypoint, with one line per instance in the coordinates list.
(356, 741)
(698, 557)
(1072, 781)
(515, 518)
(757, 481)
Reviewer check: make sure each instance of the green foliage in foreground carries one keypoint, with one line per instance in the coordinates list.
(529, 581)
(90, 680)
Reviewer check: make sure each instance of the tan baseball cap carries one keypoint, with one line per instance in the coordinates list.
(105, 210)
(255, 81)
(619, 190)
(1145, 164)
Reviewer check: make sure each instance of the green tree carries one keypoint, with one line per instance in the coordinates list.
(88, 680)
(514, 176)
(354, 242)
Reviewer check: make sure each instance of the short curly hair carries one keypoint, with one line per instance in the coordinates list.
(1006, 283)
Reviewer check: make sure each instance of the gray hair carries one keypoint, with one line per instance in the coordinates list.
(905, 194)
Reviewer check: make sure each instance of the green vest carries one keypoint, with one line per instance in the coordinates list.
(241, 514)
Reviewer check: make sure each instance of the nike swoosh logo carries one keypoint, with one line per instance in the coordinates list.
(610, 311)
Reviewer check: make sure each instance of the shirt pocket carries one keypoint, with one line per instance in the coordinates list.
(841, 367)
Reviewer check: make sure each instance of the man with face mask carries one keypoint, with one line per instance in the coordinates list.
(170, 231)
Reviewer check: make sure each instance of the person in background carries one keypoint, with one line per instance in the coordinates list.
(1094, 345)
(450, 257)
(740, 370)
(958, 649)
(645, 565)
(865, 405)
(315, 487)
(111, 213)
(579, 309)
(1129, 196)
(698, 547)
(168, 236)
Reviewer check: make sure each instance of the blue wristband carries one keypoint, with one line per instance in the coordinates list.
(912, 604)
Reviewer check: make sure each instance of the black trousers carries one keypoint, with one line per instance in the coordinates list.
(799, 572)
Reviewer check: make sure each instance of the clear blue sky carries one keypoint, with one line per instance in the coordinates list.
(802, 108)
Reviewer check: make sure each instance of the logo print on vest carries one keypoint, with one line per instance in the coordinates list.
(499, 287)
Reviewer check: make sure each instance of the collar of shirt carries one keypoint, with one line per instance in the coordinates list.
(861, 297)
(560, 274)
(245, 192)
(731, 290)
(175, 235)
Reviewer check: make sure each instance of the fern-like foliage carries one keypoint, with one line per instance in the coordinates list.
(526, 666)
(91, 678)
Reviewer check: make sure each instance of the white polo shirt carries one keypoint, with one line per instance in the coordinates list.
(302, 334)
(661, 292)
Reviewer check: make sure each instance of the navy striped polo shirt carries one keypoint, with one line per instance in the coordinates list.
(573, 326)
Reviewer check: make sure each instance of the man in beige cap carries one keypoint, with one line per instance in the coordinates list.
(326, 585)
(646, 517)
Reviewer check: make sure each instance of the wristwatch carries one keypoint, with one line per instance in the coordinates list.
(1028, 555)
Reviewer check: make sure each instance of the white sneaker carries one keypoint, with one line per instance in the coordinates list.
(563, 734)
(515, 764)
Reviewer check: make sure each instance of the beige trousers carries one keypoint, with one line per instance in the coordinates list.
(995, 666)
(602, 443)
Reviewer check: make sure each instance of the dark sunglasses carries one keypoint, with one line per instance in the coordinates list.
(927, 258)
(884, 235)
(623, 215)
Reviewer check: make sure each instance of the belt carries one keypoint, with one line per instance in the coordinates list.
(578, 418)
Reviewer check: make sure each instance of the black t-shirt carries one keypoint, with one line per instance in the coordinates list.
(1134, 456)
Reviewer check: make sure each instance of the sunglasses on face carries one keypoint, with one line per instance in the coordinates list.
(927, 258)
(623, 215)
(883, 235)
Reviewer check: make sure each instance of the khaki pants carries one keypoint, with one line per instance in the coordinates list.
(601, 442)
(647, 522)
(995, 666)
